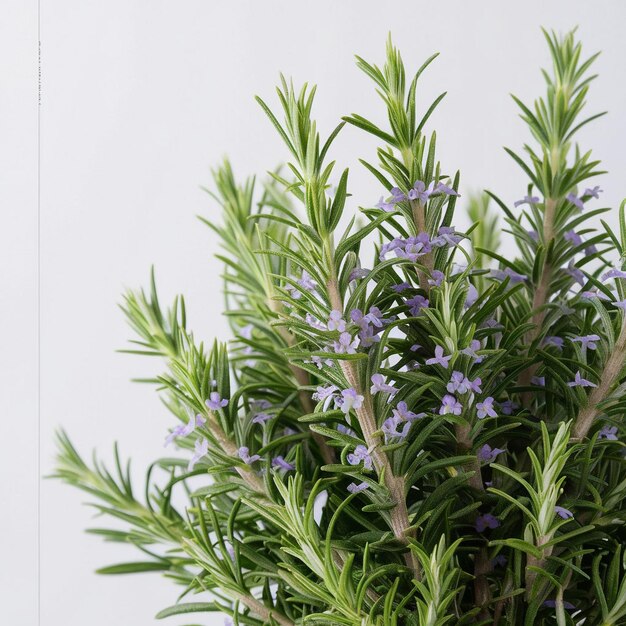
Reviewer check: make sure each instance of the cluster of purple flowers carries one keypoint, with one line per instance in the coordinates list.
(412, 248)
(418, 192)
(398, 425)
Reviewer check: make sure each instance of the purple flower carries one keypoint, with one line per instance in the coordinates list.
(534, 235)
(593, 192)
(350, 399)
(415, 247)
(419, 192)
(439, 358)
(436, 278)
(416, 304)
(573, 237)
(485, 408)
(415, 347)
(447, 236)
(215, 402)
(579, 381)
(402, 413)
(201, 447)
(183, 431)
(513, 276)
(526, 200)
(368, 337)
(538, 381)
(326, 394)
(594, 293)
(397, 195)
(471, 350)
(472, 296)
(360, 455)
(441, 188)
(614, 273)
(379, 384)
(403, 286)
(390, 428)
(588, 341)
(319, 361)
(346, 344)
(374, 317)
(313, 322)
(244, 455)
(358, 272)
(499, 560)
(608, 432)
(354, 488)
(508, 406)
(336, 321)
(342, 428)
(306, 282)
(394, 244)
(620, 304)
(385, 206)
(487, 454)
(486, 521)
(556, 342)
(577, 274)
(577, 202)
(450, 405)
(458, 383)
(261, 418)
(279, 462)
(563, 512)
(551, 604)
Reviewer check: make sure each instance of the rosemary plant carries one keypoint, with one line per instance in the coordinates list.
(409, 427)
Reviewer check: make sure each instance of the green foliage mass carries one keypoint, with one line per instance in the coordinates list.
(409, 427)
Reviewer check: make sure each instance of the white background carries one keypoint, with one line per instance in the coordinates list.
(139, 99)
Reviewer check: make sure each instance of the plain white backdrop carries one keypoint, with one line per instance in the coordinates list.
(138, 100)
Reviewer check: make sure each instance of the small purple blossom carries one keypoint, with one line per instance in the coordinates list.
(326, 394)
(336, 321)
(354, 488)
(439, 358)
(397, 195)
(458, 383)
(551, 604)
(508, 406)
(342, 428)
(441, 188)
(538, 381)
(593, 192)
(613, 273)
(577, 274)
(588, 341)
(402, 413)
(530, 200)
(415, 247)
(279, 462)
(436, 278)
(403, 286)
(487, 454)
(576, 201)
(187, 429)
(244, 455)
(201, 447)
(608, 432)
(447, 236)
(360, 455)
(573, 237)
(350, 399)
(485, 408)
(357, 273)
(379, 384)
(499, 561)
(556, 342)
(215, 402)
(416, 304)
(385, 205)
(472, 296)
(471, 350)
(390, 428)
(450, 405)
(512, 275)
(562, 512)
(485, 521)
(534, 235)
(419, 192)
(620, 304)
(394, 244)
(346, 344)
(579, 381)
(261, 418)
